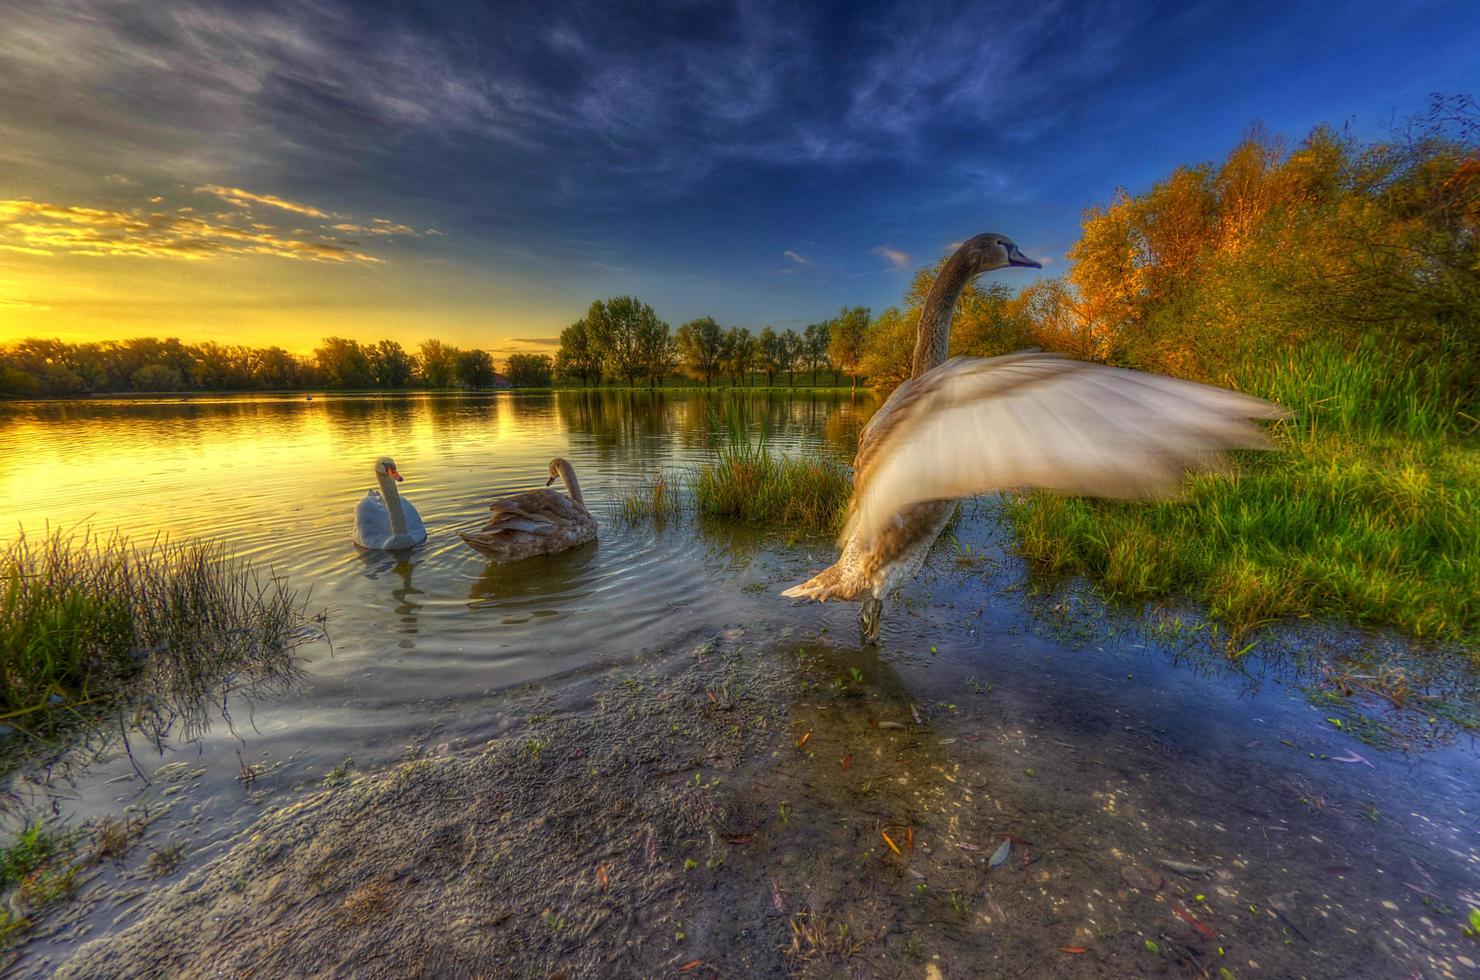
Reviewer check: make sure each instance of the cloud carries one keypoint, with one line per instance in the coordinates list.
(536, 341)
(799, 260)
(40, 228)
(379, 226)
(893, 256)
(241, 198)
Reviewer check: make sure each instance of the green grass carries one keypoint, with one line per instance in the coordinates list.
(1370, 513)
(654, 499)
(745, 482)
(90, 625)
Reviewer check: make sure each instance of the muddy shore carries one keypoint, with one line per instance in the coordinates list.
(751, 802)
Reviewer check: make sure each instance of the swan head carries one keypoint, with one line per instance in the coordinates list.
(990, 251)
(558, 466)
(385, 466)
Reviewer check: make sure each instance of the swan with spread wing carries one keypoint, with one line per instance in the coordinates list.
(537, 522)
(969, 425)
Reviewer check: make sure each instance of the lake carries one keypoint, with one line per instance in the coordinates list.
(1129, 745)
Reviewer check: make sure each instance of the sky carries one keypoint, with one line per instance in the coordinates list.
(273, 173)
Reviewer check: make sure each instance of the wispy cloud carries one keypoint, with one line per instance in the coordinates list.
(41, 228)
(893, 256)
(241, 198)
(799, 260)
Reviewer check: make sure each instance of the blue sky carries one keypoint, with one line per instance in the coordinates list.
(764, 163)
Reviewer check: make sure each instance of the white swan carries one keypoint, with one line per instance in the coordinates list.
(383, 520)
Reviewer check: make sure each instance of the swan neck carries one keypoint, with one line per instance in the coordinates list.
(393, 505)
(934, 331)
(572, 486)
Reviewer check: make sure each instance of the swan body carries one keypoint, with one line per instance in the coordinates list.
(537, 522)
(384, 520)
(968, 425)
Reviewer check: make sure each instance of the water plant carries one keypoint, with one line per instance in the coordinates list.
(745, 481)
(89, 625)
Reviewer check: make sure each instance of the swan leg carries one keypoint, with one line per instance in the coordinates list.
(870, 615)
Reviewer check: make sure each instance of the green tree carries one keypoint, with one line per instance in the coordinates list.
(739, 353)
(529, 370)
(701, 346)
(624, 330)
(815, 341)
(438, 363)
(390, 366)
(771, 352)
(847, 339)
(157, 377)
(475, 368)
(577, 358)
(344, 363)
(795, 346)
(655, 347)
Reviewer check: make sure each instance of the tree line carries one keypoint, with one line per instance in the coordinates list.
(39, 367)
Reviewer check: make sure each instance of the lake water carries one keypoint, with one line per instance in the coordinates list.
(421, 645)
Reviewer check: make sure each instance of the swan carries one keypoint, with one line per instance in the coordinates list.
(968, 425)
(537, 522)
(384, 521)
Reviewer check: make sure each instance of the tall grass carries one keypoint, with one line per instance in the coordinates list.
(651, 499)
(1370, 511)
(89, 624)
(745, 482)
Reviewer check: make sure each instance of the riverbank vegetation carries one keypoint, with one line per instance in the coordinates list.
(1339, 279)
(90, 626)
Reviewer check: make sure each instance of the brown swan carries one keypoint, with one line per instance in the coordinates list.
(536, 522)
(970, 425)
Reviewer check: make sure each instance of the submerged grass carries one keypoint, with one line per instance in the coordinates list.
(1369, 513)
(90, 625)
(746, 482)
(653, 499)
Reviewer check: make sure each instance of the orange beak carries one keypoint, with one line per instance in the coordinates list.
(395, 474)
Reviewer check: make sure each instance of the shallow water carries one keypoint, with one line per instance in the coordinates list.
(1111, 748)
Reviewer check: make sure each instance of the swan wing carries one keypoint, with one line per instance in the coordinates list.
(1041, 420)
(372, 521)
(414, 526)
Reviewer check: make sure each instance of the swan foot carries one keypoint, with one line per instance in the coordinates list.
(870, 616)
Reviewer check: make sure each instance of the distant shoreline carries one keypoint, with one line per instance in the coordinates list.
(340, 392)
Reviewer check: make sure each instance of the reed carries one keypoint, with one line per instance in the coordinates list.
(746, 482)
(89, 625)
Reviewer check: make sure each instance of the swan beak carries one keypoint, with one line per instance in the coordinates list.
(1017, 258)
(550, 481)
(395, 475)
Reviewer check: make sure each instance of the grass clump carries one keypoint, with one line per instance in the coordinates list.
(653, 499)
(746, 482)
(88, 625)
(1369, 512)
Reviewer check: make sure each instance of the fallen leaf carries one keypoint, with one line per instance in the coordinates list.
(1192, 920)
(805, 737)
(909, 836)
(892, 725)
(972, 738)
(1183, 868)
(690, 965)
(776, 898)
(1352, 757)
(1076, 950)
(999, 856)
(916, 712)
(948, 741)
(892, 846)
(967, 847)
(601, 877)
(712, 698)
(848, 762)
(650, 852)
(739, 839)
